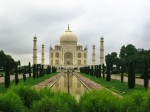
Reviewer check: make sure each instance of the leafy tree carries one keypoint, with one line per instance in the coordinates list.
(126, 53)
(108, 59)
(130, 50)
(113, 60)
(122, 54)
(3, 60)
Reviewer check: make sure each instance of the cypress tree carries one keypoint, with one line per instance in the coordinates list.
(42, 70)
(37, 71)
(91, 70)
(131, 75)
(122, 72)
(99, 71)
(47, 70)
(103, 71)
(34, 71)
(16, 75)
(145, 74)
(108, 78)
(7, 74)
(29, 69)
(95, 70)
(55, 69)
(88, 70)
(24, 76)
(50, 70)
(94, 67)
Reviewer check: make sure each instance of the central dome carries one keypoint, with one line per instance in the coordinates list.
(68, 37)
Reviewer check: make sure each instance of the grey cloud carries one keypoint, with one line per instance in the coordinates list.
(119, 22)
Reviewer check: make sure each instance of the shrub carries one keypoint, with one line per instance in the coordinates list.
(99, 101)
(146, 102)
(133, 102)
(27, 94)
(11, 102)
(55, 102)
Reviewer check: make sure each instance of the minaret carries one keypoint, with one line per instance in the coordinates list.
(93, 55)
(42, 57)
(35, 50)
(50, 55)
(101, 50)
(68, 27)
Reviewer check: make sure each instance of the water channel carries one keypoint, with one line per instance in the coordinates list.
(69, 83)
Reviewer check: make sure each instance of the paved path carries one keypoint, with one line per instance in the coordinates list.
(137, 81)
(12, 77)
(48, 82)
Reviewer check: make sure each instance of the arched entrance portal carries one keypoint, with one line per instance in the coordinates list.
(68, 59)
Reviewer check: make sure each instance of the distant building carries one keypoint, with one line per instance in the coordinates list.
(68, 53)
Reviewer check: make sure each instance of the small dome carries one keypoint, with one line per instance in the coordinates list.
(68, 37)
(79, 44)
(35, 37)
(57, 44)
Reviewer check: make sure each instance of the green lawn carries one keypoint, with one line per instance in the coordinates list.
(28, 82)
(115, 85)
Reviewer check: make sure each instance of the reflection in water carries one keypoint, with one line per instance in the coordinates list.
(70, 84)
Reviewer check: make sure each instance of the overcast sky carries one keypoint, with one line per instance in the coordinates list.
(121, 22)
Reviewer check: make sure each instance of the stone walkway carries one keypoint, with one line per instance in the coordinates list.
(137, 81)
(48, 82)
(91, 85)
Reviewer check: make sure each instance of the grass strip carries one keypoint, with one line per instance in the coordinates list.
(116, 85)
(29, 81)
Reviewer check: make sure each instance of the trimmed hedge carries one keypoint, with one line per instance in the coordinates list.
(99, 101)
(11, 102)
(26, 99)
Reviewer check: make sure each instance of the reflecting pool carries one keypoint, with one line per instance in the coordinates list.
(70, 84)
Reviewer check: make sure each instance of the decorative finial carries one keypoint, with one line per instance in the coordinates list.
(35, 36)
(68, 27)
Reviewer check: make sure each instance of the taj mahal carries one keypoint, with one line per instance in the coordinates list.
(68, 52)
